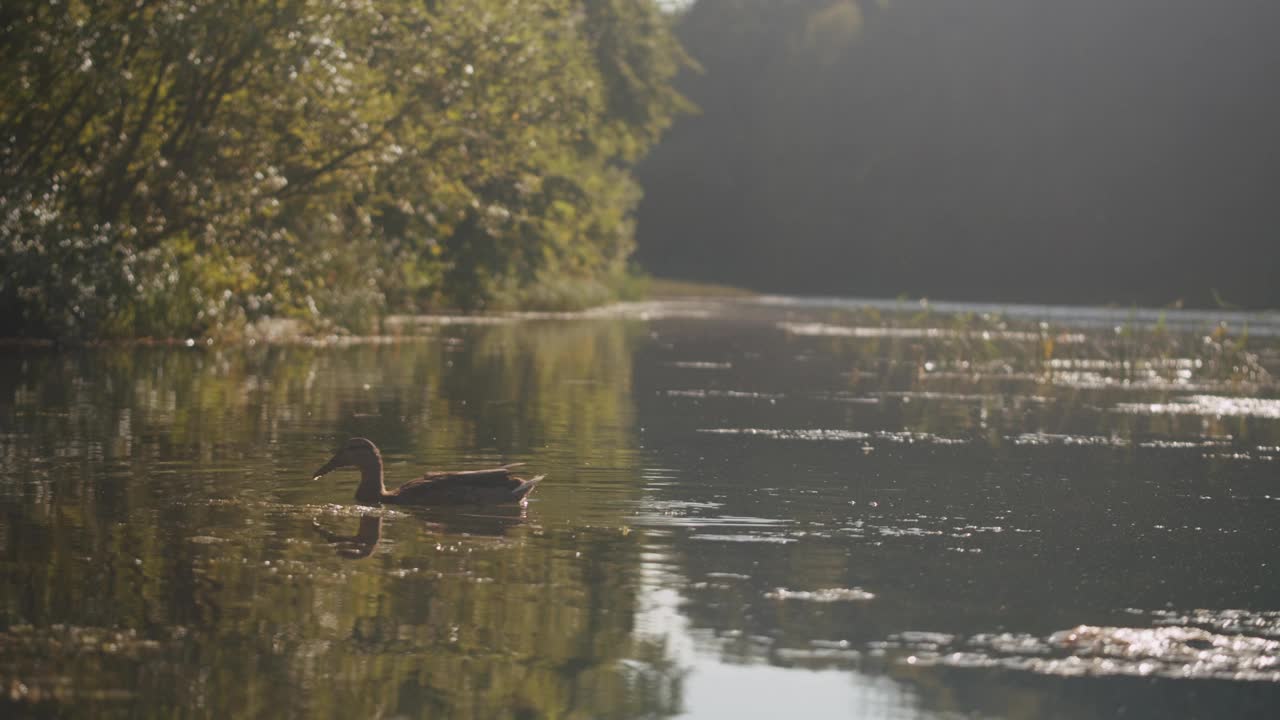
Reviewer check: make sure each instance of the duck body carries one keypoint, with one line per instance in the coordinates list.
(496, 486)
(475, 487)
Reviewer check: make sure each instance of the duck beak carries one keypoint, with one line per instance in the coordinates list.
(334, 463)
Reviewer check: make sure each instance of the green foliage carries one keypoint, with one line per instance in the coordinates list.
(175, 168)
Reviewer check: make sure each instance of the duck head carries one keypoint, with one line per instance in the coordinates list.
(357, 453)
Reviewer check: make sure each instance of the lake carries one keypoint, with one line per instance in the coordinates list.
(753, 508)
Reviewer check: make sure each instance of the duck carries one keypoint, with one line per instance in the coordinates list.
(495, 486)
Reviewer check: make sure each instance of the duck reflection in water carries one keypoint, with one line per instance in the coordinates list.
(360, 545)
(488, 523)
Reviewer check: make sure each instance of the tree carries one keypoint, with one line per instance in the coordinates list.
(177, 167)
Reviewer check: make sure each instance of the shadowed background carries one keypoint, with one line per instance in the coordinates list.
(1085, 152)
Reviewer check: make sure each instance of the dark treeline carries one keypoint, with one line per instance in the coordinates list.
(181, 167)
(1085, 152)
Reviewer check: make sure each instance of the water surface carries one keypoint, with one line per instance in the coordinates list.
(753, 508)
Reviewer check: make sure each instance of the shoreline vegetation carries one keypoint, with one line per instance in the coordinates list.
(187, 169)
(662, 296)
(293, 330)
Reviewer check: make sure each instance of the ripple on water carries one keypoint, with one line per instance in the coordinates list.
(1265, 623)
(844, 397)
(700, 365)
(728, 576)
(824, 595)
(677, 520)
(1207, 405)
(1147, 382)
(817, 329)
(1055, 439)
(816, 655)
(735, 394)
(835, 435)
(744, 538)
(1200, 644)
(1186, 444)
(781, 434)
(910, 395)
(1172, 363)
(675, 507)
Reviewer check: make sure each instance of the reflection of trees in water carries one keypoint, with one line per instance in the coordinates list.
(477, 630)
(158, 490)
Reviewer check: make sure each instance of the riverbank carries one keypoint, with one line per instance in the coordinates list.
(668, 298)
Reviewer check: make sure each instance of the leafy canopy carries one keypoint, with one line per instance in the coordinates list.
(174, 168)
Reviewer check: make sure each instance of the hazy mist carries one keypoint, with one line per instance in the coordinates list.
(1094, 151)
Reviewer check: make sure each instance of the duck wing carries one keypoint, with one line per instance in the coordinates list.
(472, 487)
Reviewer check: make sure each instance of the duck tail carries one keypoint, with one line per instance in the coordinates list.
(526, 487)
